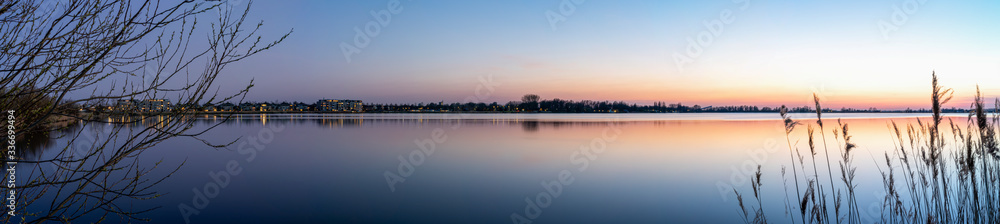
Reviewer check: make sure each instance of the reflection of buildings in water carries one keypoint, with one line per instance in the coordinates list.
(668, 123)
(340, 122)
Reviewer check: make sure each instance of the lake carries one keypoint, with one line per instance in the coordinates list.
(493, 168)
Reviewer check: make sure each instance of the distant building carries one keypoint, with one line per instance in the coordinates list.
(125, 106)
(155, 105)
(339, 105)
(354, 106)
(300, 107)
(248, 107)
(227, 107)
(143, 106)
(284, 107)
(265, 107)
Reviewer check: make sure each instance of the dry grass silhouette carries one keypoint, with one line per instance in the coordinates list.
(930, 177)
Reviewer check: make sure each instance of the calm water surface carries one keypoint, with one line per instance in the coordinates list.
(484, 168)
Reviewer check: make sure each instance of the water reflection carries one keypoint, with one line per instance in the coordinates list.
(527, 124)
(32, 143)
(328, 168)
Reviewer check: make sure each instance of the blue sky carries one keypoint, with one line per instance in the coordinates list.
(772, 52)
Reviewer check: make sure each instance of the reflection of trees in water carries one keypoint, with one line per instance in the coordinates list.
(123, 138)
(31, 144)
(529, 126)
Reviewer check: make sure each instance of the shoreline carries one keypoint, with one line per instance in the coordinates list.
(507, 112)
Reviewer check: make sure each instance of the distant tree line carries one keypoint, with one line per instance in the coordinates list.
(530, 103)
(533, 103)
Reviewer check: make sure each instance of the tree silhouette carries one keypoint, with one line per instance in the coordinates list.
(529, 102)
(110, 51)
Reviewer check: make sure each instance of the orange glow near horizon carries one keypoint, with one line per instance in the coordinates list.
(764, 96)
(880, 78)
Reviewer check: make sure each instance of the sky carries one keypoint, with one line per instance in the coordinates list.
(870, 53)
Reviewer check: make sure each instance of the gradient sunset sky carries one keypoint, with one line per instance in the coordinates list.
(772, 52)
